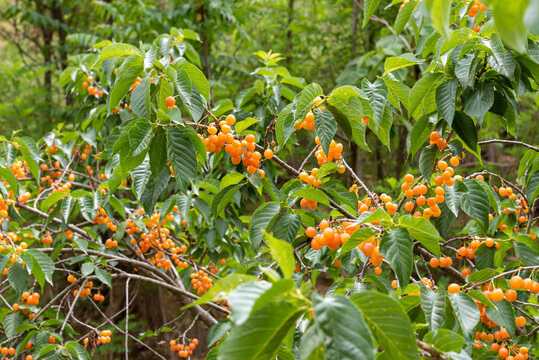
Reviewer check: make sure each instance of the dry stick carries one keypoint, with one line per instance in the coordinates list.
(429, 350)
(73, 306)
(120, 330)
(127, 318)
(383, 21)
(307, 159)
(514, 142)
(361, 183)
(168, 281)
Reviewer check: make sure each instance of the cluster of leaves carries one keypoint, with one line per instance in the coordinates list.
(145, 201)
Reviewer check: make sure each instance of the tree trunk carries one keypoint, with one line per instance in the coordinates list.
(355, 12)
(289, 32)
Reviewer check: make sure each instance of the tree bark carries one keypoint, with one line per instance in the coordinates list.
(289, 32)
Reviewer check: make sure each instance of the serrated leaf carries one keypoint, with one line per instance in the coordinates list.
(419, 133)
(466, 312)
(127, 74)
(17, 277)
(423, 231)
(426, 160)
(464, 126)
(358, 237)
(439, 14)
(287, 226)
(421, 88)
(140, 99)
(476, 202)
(446, 95)
(396, 247)
(370, 6)
(313, 194)
(182, 156)
(260, 220)
(346, 334)
(391, 326)
(260, 337)
(325, 127)
(283, 253)
(433, 305)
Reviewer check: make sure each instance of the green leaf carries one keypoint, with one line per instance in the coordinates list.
(446, 95)
(421, 88)
(476, 202)
(283, 253)
(243, 299)
(304, 100)
(433, 305)
(284, 126)
(482, 275)
(240, 126)
(399, 62)
(378, 94)
(396, 247)
(420, 132)
(103, 276)
(198, 144)
(464, 126)
(51, 200)
(87, 268)
(503, 315)
(45, 264)
(182, 156)
(426, 160)
(453, 196)
(466, 312)
(423, 231)
(509, 22)
(11, 322)
(260, 220)
(484, 257)
(286, 226)
(7, 175)
(325, 127)
(444, 340)
(479, 101)
(127, 74)
(326, 169)
(223, 286)
(223, 197)
(311, 193)
(140, 99)
(29, 150)
(115, 50)
(197, 77)
(532, 187)
(357, 238)
(260, 337)
(398, 91)
(17, 277)
(404, 16)
(370, 7)
(439, 14)
(389, 323)
(346, 334)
